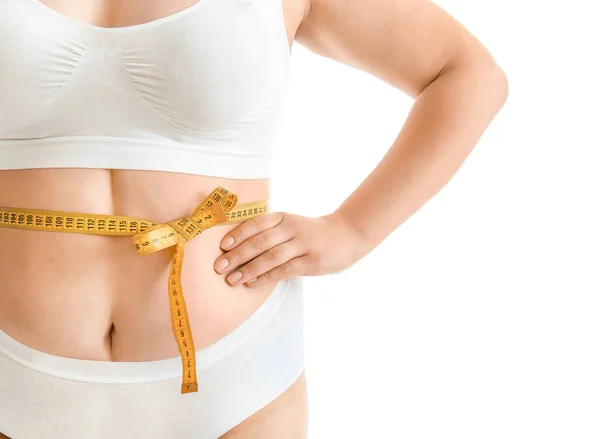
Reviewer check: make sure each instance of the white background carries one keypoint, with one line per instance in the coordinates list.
(479, 317)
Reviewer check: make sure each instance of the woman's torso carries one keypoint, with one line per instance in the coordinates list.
(94, 297)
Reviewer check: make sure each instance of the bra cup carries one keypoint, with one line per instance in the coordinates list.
(32, 73)
(207, 84)
(213, 82)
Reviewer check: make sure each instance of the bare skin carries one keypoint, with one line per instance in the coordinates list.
(102, 285)
(99, 300)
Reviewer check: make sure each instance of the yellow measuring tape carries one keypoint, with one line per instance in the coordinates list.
(217, 208)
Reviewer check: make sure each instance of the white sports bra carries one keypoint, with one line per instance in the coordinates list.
(197, 92)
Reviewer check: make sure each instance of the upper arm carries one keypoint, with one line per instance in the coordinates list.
(406, 43)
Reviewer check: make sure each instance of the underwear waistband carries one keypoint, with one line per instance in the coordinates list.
(147, 371)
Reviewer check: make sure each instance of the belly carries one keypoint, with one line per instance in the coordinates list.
(94, 297)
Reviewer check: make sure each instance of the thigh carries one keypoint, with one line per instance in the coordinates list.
(286, 416)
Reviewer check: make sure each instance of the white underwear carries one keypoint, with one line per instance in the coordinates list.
(43, 396)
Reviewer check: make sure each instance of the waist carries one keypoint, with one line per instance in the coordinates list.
(85, 296)
(161, 196)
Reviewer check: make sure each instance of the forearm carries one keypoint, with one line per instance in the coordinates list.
(445, 122)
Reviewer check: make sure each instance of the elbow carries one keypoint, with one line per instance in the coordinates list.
(487, 80)
(484, 74)
(499, 82)
(483, 64)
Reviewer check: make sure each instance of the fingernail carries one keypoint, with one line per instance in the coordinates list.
(228, 242)
(234, 277)
(221, 264)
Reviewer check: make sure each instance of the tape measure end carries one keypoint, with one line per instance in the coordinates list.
(189, 388)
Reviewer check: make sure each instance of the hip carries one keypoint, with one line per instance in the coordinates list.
(238, 375)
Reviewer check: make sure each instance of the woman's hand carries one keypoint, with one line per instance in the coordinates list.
(279, 245)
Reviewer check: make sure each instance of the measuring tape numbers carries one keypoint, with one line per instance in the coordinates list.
(218, 208)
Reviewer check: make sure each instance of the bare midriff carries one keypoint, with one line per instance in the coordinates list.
(93, 297)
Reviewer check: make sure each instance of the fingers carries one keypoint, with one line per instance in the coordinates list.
(294, 267)
(250, 228)
(283, 259)
(249, 249)
(263, 249)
